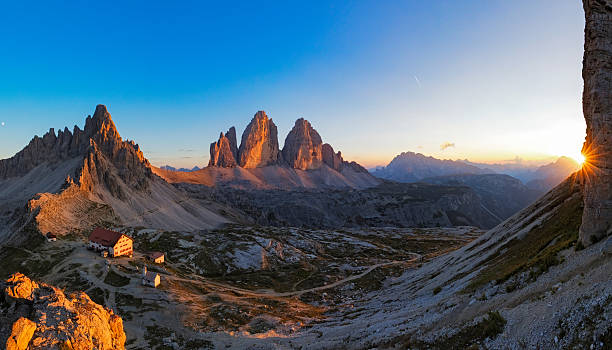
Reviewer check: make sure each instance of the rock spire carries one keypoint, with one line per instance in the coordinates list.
(259, 145)
(597, 108)
(224, 152)
(302, 149)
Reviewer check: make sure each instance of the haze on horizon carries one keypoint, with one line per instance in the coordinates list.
(491, 80)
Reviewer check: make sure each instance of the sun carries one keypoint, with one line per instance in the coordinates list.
(580, 159)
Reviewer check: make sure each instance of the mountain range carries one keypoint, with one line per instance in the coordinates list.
(413, 167)
(73, 180)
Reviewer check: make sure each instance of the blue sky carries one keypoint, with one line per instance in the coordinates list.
(498, 79)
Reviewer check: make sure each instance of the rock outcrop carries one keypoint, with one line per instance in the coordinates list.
(21, 334)
(597, 108)
(259, 145)
(39, 316)
(302, 149)
(224, 152)
(333, 160)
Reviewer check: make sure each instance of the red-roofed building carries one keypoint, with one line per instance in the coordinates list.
(115, 243)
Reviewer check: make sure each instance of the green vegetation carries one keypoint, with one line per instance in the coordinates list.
(98, 295)
(128, 300)
(199, 344)
(283, 278)
(489, 327)
(116, 280)
(537, 250)
(468, 337)
(167, 242)
(155, 335)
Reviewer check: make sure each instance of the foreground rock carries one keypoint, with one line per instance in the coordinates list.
(259, 145)
(597, 106)
(40, 316)
(21, 334)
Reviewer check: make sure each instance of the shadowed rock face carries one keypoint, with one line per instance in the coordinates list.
(259, 145)
(333, 160)
(597, 107)
(223, 153)
(302, 148)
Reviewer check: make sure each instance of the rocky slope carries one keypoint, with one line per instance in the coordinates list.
(259, 145)
(550, 175)
(274, 177)
(502, 195)
(597, 107)
(40, 316)
(386, 205)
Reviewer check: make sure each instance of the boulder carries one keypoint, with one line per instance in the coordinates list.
(57, 319)
(18, 286)
(21, 334)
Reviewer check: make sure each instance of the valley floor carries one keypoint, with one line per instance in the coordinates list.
(526, 284)
(237, 285)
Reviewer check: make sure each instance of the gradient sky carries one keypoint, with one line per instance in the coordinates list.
(496, 78)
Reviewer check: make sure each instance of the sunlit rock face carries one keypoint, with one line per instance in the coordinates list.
(597, 106)
(302, 148)
(40, 316)
(259, 145)
(224, 152)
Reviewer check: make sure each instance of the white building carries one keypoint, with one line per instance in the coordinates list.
(156, 257)
(115, 243)
(151, 279)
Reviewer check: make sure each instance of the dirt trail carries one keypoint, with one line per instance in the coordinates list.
(271, 293)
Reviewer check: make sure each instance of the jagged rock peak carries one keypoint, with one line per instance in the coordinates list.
(102, 124)
(333, 160)
(302, 149)
(259, 145)
(43, 317)
(223, 153)
(99, 142)
(597, 108)
(231, 137)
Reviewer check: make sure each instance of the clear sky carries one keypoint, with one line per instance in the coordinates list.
(496, 78)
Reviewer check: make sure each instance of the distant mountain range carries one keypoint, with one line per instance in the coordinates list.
(185, 170)
(414, 167)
